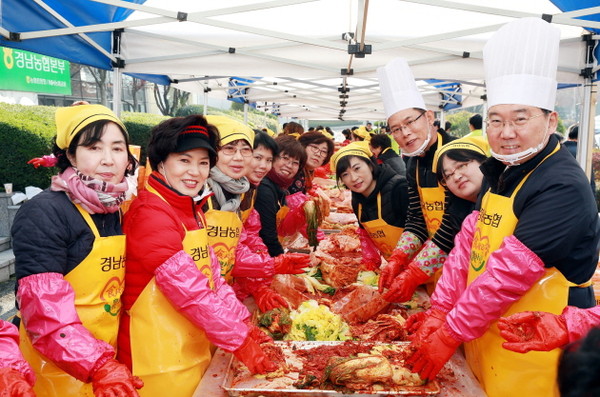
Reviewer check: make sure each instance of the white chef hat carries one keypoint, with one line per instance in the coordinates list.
(520, 62)
(398, 88)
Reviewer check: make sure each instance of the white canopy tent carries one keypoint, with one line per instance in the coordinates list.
(310, 59)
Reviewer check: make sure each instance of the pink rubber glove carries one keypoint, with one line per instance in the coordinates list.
(114, 379)
(252, 356)
(433, 353)
(44, 161)
(291, 263)
(405, 284)
(13, 384)
(267, 299)
(528, 331)
(396, 263)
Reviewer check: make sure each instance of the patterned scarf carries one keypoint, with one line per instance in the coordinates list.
(218, 182)
(96, 197)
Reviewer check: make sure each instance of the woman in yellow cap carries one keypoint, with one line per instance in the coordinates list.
(457, 168)
(228, 183)
(69, 259)
(379, 200)
(177, 304)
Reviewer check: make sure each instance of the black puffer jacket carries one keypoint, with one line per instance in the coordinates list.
(50, 235)
(269, 199)
(394, 198)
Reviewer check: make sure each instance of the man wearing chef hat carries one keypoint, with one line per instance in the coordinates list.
(532, 245)
(434, 216)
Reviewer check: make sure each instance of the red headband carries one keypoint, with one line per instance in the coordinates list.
(195, 129)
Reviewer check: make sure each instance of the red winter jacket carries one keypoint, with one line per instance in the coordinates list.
(150, 246)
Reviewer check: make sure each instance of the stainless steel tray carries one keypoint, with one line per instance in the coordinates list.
(261, 387)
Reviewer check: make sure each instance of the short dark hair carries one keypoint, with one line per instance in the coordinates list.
(458, 155)
(574, 132)
(380, 141)
(163, 138)
(316, 138)
(476, 121)
(264, 140)
(290, 146)
(344, 163)
(579, 365)
(293, 128)
(448, 125)
(89, 135)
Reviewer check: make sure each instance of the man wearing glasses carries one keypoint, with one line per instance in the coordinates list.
(533, 243)
(434, 216)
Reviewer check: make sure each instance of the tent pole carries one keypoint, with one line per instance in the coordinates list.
(117, 85)
(586, 132)
(245, 113)
(587, 122)
(205, 107)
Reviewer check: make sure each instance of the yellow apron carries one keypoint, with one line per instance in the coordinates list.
(384, 235)
(168, 352)
(247, 204)
(432, 200)
(98, 285)
(224, 229)
(500, 371)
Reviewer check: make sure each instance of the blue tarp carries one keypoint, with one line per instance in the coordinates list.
(27, 16)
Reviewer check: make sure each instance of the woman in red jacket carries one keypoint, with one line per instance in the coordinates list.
(177, 304)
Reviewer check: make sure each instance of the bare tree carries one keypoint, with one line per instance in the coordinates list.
(134, 85)
(100, 76)
(169, 99)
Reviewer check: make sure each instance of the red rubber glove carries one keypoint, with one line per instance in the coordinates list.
(44, 161)
(114, 379)
(252, 356)
(433, 353)
(13, 384)
(433, 319)
(291, 263)
(528, 331)
(267, 299)
(396, 263)
(255, 333)
(405, 284)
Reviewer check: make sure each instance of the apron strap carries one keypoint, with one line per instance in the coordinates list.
(88, 219)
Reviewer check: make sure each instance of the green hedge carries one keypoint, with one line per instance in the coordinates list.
(28, 131)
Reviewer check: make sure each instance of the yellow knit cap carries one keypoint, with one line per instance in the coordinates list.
(353, 149)
(476, 144)
(363, 133)
(231, 130)
(70, 120)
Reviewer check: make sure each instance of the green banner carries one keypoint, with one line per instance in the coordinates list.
(28, 71)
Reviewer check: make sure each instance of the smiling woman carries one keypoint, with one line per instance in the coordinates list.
(272, 191)
(173, 277)
(71, 346)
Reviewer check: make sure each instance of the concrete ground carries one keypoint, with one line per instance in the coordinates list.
(7, 298)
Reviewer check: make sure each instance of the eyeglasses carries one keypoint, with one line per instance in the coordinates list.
(230, 150)
(315, 150)
(516, 123)
(409, 124)
(461, 168)
(291, 161)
